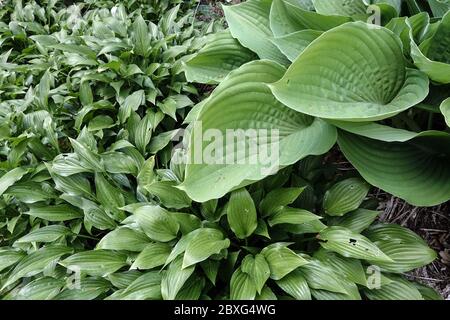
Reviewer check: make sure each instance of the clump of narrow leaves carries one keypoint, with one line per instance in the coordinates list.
(95, 203)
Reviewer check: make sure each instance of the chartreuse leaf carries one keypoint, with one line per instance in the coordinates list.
(157, 223)
(345, 196)
(61, 212)
(249, 23)
(242, 286)
(221, 54)
(244, 105)
(95, 262)
(281, 260)
(340, 7)
(174, 278)
(276, 199)
(398, 289)
(35, 263)
(295, 285)
(288, 16)
(356, 221)
(258, 270)
(445, 110)
(206, 242)
(432, 56)
(417, 170)
(152, 256)
(241, 213)
(45, 234)
(351, 244)
(124, 238)
(292, 44)
(89, 289)
(407, 250)
(292, 216)
(321, 83)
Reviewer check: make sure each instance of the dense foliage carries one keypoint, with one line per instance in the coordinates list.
(97, 203)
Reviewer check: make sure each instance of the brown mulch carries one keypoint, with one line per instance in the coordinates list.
(433, 225)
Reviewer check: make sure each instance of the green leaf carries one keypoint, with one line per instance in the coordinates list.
(9, 178)
(249, 23)
(168, 194)
(276, 199)
(174, 278)
(124, 238)
(295, 285)
(35, 263)
(416, 171)
(435, 64)
(244, 105)
(61, 212)
(45, 234)
(88, 159)
(281, 260)
(292, 216)
(89, 289)
(86, 97)
(45, 288)
(145, 287)
(445, 110)
(9, 257)
(292, 44)
(258, 269)
(95, 262)
(321, 277)
(287, 16)
(407, 250)
(337, 91)
(141, 37)
(399, 289)
(351, 245)
(352, 269)
(242, 286)
(221, 54)
(108, 195)
(131, 103)
(345, 196)
(356, 221)
(157, 223)
(241, 214)
(206, 242)
(152, 256)
(340, 7)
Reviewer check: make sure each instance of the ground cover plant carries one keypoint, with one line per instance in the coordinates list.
(104, 106)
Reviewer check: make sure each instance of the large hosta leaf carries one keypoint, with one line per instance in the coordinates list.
(240, 103)
(249, 23)
(340, 7)
(294, 43)
(287, 16)
(433, 55)
(221, 54)
(366, 81)
(417, 170)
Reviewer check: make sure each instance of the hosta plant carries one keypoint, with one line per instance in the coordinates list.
(369, 75)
